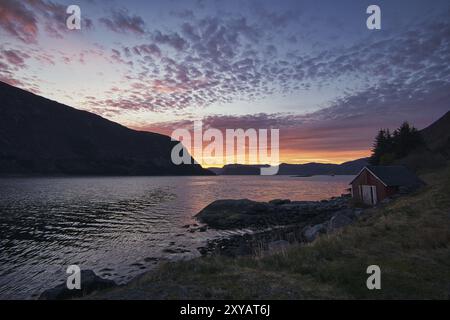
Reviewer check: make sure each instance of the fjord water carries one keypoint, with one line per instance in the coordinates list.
(119, 226)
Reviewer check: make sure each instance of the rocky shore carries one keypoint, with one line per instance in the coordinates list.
(272, 226)
(275, 224)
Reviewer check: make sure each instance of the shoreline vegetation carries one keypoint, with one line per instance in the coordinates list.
(321, 257)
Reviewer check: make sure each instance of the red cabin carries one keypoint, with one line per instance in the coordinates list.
(376, 183)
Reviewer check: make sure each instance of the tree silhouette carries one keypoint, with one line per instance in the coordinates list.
(389, 147)
(381, 146)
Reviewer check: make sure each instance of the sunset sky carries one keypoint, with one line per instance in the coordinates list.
(310, 68)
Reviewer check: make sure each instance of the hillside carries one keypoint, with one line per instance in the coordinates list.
(307, 169)
(437, 135)
(436, 149)
(40, 136)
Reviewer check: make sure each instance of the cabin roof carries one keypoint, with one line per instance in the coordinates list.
(393, 176)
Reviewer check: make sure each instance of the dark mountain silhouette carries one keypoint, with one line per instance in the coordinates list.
(307, 169)
(40, 136)
(418, 150)
(437, 135)
(434, 151)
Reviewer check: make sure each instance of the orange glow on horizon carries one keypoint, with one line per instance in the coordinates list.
(299, 157)
(306, 154)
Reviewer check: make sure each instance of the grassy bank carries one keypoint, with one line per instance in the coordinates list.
(409, 239)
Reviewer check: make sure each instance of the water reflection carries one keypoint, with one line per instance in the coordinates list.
(118, 226)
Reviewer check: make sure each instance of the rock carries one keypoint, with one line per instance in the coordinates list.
(90, 282)
(202, 229)
(310, 233)
(278, 245)
(245, 213)
(242, 205)
(338, 221)
(228, 214)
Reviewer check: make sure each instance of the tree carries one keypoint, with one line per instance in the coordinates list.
(381, 146)
(387, 148)
(405, 140)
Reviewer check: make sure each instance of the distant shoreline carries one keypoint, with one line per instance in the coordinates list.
(168, 175)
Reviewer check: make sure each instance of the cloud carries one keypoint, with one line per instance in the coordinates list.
(196, 61)
(302, 138)
(342, 131)
(173, 39)
(52, 15)
(220, 60)
(12, 61)
(15, 57)
(18, 20)
(121, 21)
(147, 49)
(184, 14)
(274, 18)
(87, 23)
(24, 19)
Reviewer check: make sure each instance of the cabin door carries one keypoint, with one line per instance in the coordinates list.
(369, 194)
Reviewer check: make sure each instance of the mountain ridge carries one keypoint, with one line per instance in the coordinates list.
(41, 136)
(435, 151)
(306, 169)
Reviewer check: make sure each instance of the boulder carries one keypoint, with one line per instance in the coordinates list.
(310, 233)
(90, 282)
(245, 213)
(230, 213)
(338, 221)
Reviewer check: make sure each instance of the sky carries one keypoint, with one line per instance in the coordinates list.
(312, 69)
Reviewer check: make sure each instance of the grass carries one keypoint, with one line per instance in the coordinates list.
(409, 239)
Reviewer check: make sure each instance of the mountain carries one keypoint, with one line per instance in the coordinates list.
(436, 149)
(350, 167)
(437, 135)
(307, 169)
(40, 136)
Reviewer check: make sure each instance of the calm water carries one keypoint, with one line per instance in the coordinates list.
(117, 226)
